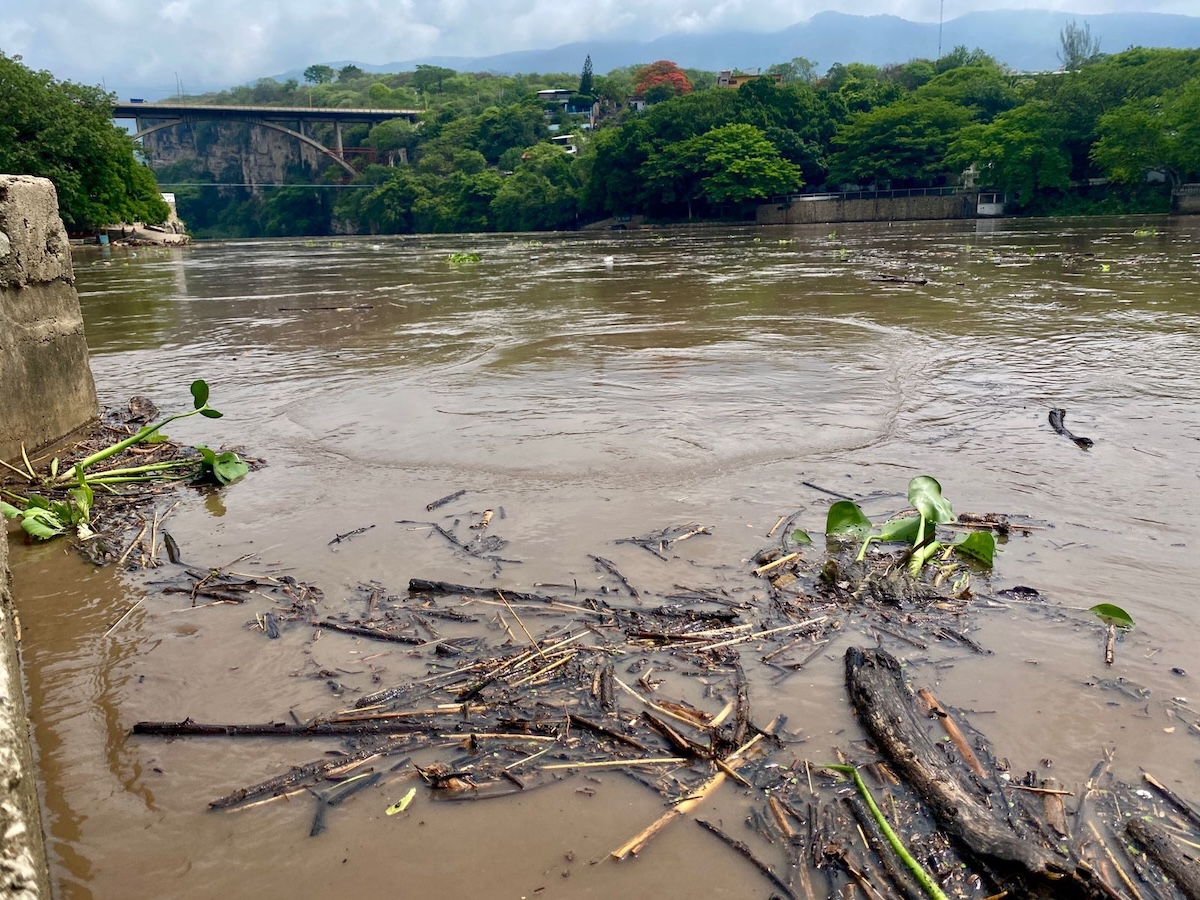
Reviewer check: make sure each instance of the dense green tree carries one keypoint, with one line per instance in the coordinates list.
(798, 69)
(1078, 47)
(539, 196)
(319, 74)
(1158, 134)
(433, 79)
(349, 73)
(985, 90)
(1020, 152)
(861, 87)
(586, 77)
(900, 145)
(960, 56)
(64, 131)
(730, 164)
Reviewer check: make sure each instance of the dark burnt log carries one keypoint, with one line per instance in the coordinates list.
(188, 728)
(1183, 868)
(957, 800)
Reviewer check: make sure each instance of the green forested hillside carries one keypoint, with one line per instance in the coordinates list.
(481, 157)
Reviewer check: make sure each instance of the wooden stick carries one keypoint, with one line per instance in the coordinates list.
(654, 706)
(609, 763)
(772, 565)
(951, 728)
(775, 527)
(635, 844)
(1110, 643)
(745, 851)
(1178, 802)
(780, 816)
(132, 544)
(508, 605)
(1037, 790)
(758, 634)
(124, 617)
(1112, 859)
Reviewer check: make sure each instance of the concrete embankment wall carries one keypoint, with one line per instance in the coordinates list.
(883, 209)
(46, 387)
(46, 392)
(23, 871)
(1187, 201)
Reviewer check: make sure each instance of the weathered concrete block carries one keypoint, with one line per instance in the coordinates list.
(23, 871)
(46, 386)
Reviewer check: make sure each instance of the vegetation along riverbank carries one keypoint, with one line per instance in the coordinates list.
(470, 152)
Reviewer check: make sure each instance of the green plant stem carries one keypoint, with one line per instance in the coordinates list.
(149, 467)
(927, 883)
(130, 441)
(126, 479)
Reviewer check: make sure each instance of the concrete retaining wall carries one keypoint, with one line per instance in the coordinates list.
(1186, 201)
(23, 871)
(889, 209)
(46, 387)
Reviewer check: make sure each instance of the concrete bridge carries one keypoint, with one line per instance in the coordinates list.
(277, 118)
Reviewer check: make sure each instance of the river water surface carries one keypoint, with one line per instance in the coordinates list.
(594, 388)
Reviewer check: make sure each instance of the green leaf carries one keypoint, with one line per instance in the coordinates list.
(228, 468)
(925, 494)
(846, 518)
(9, 511)
(1111, 614)
(979, 545)
(54, 468)
(402, 804)
(904, 529)
(41, 524)
(37, 501)
(207, 455)
(200, 392)
(211, 414)
(801, 537)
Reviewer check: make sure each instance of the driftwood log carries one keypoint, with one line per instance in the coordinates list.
(957, 799)
(1183, 868)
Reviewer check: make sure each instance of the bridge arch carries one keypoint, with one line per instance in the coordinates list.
(303, 138)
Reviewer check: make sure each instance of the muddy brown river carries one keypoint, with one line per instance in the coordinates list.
(595, 387)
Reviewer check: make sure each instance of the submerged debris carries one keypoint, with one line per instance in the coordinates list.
(525, 689)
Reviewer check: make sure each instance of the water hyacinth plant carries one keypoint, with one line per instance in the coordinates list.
(44, 517)
(846, 520)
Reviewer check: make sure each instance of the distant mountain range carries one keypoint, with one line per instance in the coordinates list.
(1026, 40)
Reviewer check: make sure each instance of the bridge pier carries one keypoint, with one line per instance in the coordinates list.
(337, 140)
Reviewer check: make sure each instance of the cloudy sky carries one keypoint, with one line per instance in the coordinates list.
(140, 47)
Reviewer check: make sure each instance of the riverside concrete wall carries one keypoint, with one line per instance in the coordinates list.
(46, 392)
(46, 387)
(23, 871)
(884, 209)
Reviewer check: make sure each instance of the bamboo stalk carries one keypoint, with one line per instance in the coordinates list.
(508, 605)
(951, 728)
(1113, 860)
(635, 844)
(773, 565)
(759, 634)
(610, 763)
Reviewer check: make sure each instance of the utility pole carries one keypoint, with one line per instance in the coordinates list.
(941, 10)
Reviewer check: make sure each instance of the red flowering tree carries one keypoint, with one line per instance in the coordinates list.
(660, 81)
